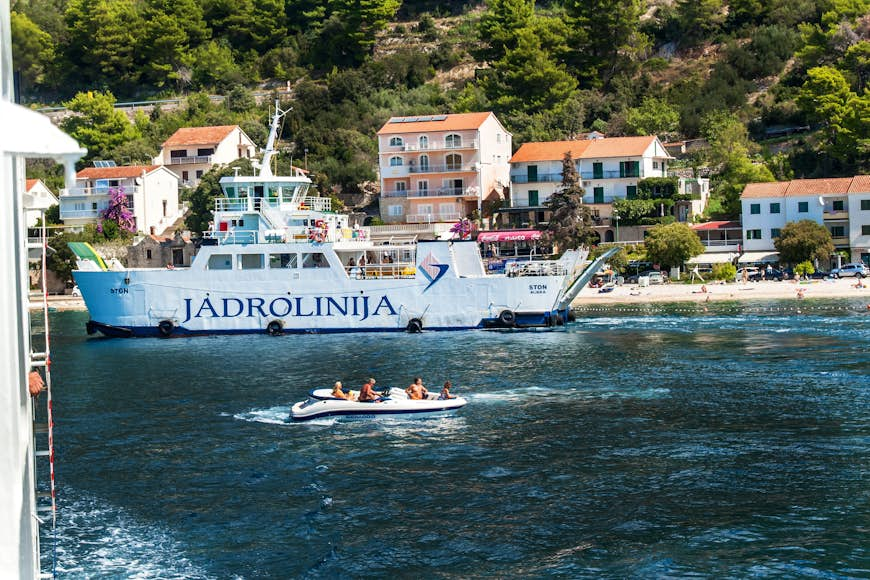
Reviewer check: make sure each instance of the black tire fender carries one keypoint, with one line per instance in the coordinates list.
(415, 325)
(507, 317)
(165, 328)
(275, 328)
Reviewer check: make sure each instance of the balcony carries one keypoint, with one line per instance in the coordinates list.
(434, 146)
(611, 174)
(395, 193)
(541, 178)
(444, 192)
(446, 168)
(428, 218)
(66, 214)
(840, 241)
(835, 214)
(192, 160)
(98, 191)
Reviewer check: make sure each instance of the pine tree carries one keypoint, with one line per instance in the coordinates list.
(570, 221)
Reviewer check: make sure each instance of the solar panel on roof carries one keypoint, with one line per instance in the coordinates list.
(104, 163)
(439, 117)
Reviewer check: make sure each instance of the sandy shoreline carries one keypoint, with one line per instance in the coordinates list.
(769, 290)
(633, 294)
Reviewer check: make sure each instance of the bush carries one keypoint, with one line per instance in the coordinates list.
(724, 272)
(805, 268)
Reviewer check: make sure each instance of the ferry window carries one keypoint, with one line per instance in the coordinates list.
(251, 261)
(314, 260)
(220, 262)
(282, 261)
(274, 191)
(231, 191)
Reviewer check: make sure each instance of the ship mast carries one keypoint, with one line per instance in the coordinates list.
(266, 163)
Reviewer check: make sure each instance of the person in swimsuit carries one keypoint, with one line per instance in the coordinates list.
(367, 393)
(339, 393)
(416, 391)
(445, 392)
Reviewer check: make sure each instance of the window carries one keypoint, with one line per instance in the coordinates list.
(185, 176)
(394, 210)
(533, 198)
(395, 162)
(838, 205)
(629, 168)
(396, 142)
(177, 257)
(655, 164)
(803, 207)
(425, 209)
(753, 234)
(424, 142)
(755, 208)
(147, 254)
(865, 204)
(424, 163)
(774, 208)
(401, 186)
(454, 162)
(774, 233)
(422, 187)
(597, 171)
(205, 152)
(446, 208)
(314, 260)
(631, 192)
(178, 153)
(220, 262)
(532, 173)
(251, 261)
(282, 261)
(199, 173)
(838, 232)
(865, 230)
(598, 195)
(453, 141)
(498, 137)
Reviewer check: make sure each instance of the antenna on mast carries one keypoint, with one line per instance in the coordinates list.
(269, 151)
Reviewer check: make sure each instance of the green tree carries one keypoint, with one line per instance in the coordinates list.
(32, 50)
(653, 117)
(171, 30)
(673, 244)
(603, 33)
(802, 241)
(527, 79)
(214, 66)
(98, 126)
(202, 198)
(726, 272)
(804, 268)
(500, 24)
(102, 45)
(700, 19)
(570, 222)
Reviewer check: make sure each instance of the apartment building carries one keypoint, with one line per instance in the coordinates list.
(151, 190)
(842, 205)
(191, 151)
(37, 198)
(610, 169)
(440, 168)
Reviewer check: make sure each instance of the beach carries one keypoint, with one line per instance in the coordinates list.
(716, 291)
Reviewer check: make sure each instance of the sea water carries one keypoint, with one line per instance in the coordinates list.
(721, 440)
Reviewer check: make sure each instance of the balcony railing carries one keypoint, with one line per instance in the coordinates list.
(439, 168)
(66, 214)
(441, 192)
(395, 193)
(192, 160)
(540, 178)
(613, 174)
(425, 218)
(98, 191)
(257, 204)
(436, 146)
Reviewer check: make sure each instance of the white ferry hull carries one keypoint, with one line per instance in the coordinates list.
(162, 302)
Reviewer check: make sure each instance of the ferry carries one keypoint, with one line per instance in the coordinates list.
(277, 259)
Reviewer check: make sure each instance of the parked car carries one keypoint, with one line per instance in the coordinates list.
(750, 272)
(767, 274)
(76, 291)
(858, 270)
(655, 277)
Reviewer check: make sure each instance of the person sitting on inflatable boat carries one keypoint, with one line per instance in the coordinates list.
(367, 394)
(416, 391)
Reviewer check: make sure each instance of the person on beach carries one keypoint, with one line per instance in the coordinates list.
(416, 391)
(367, 393)
(445, 392)
(745, 275)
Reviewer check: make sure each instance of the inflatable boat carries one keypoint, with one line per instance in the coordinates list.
(392, 403)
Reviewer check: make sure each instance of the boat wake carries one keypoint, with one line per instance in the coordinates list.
(273, 415)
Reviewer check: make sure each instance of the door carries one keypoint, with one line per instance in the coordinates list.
(533, 198)
(532, 173)
(597, 171)
(598, 195)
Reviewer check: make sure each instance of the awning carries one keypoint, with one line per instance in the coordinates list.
(712, 258)
(754, 257)
(509, 236)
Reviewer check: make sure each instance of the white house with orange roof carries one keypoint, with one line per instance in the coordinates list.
(191, 151)
(37, 198)
(610, 169)
(151, 190)
(842, 205)
(440, 168)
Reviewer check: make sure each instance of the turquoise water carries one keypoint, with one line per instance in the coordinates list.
(667, 441)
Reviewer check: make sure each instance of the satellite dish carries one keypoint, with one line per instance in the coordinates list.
(138, 181)
(821, 200)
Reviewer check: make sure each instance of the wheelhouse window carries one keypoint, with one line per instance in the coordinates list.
(282, 261)
(314, 260)
(454, 162)
(220, 262)
(396, 142)
(251, 262)
(396, 161)
(453, 141)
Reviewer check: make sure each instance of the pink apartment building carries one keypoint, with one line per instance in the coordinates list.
(440, 168)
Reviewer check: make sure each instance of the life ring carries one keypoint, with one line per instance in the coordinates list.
(415, 325)
(275, 328)
(507, 317)
(165, 328)
(319, 224)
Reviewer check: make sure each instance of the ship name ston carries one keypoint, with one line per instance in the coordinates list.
(282, 307)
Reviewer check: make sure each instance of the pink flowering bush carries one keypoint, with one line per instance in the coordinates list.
(117, 217)
(461, 229)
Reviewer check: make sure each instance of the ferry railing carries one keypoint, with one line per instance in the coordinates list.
(535, 268)
(382, 271)
(256, 204)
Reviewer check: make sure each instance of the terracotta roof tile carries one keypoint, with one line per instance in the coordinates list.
(583, 149)
(716, 225)
(819, 186)
(860, 184)
(199, 135)
(125, 171)
(456, 122)
(29, 183)
(550, 150)
(771, 189)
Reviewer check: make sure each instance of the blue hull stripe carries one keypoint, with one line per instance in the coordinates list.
(363, 414)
